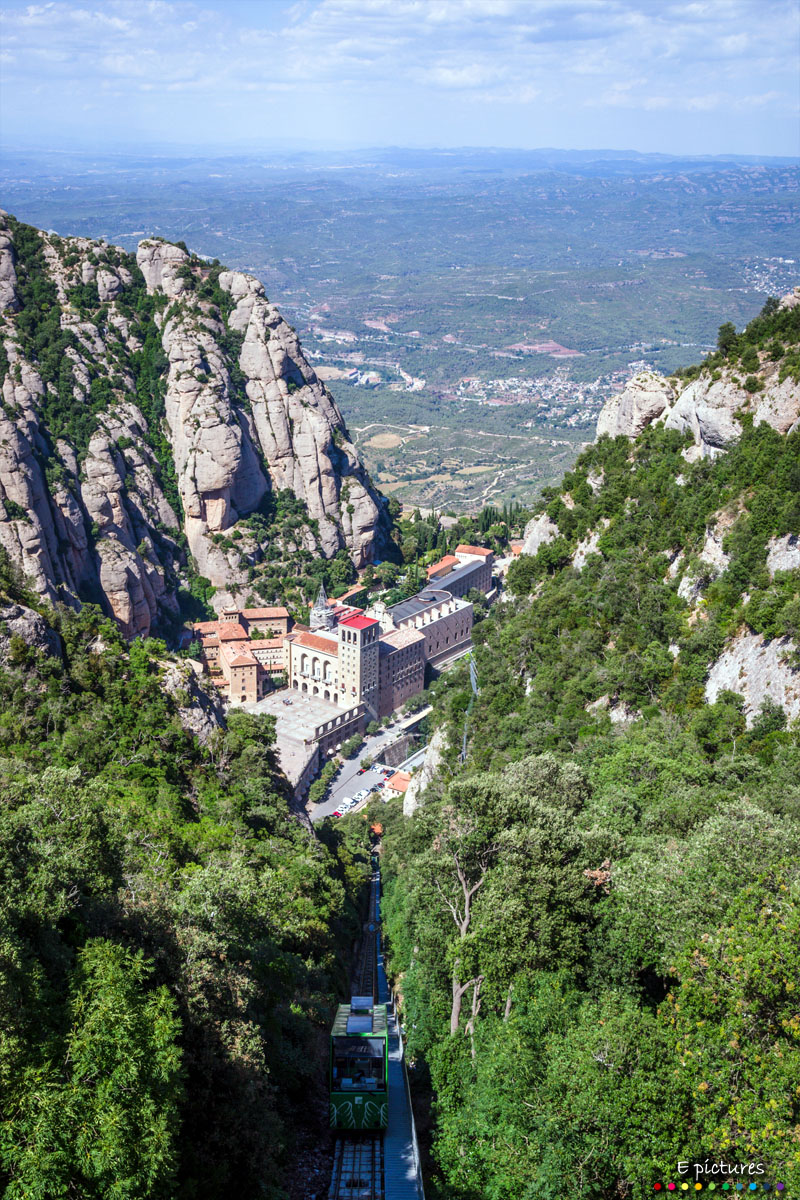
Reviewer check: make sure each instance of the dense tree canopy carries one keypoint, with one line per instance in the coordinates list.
(171, 936)
(593, 922)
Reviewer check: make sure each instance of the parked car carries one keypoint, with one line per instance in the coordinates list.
(338, 813)
(361, 770)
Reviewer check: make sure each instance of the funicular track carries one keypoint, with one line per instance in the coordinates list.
(358, 1168)
(358, 1164)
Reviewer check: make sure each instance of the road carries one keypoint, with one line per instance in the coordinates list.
(348, 781)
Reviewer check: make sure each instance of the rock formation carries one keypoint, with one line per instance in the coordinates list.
(150, 405)
(709, 407)
(18, 621)
(757, 669)
(424, 777)
(538, 532)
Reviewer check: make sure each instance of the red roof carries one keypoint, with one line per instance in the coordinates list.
(358, 621)
(238, 656)
(312, 642)
(484, 553)
(399, 781)
(232, 633)
(448, 561)
(264, 614)
(205, 626)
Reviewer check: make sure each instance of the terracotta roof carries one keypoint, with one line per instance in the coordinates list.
(238, 656)
(232, 633)
(448, 561)
(275, 642)
(241, 660)
(399, 781)
(264, 614)
(205, 626)
(481, 550)
(358, 621)
(313, 642)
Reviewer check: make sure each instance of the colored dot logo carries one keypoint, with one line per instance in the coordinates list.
(725, 1187)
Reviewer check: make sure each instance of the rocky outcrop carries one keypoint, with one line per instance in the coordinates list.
(586, 548)
(200, 712)
(434, 757)
(8, 272)
(757, 669)
(619, 713)
(538, 532)
(646, 397)
(708, 407)
(152, 418)
(18, 621)
(707, 411)
(783, 554)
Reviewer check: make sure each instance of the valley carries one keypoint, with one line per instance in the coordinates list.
(507, 294)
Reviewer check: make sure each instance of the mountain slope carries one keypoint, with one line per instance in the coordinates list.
(594, 919)
(157, 405)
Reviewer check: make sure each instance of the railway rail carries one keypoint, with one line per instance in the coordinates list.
(358, 1168)
(378, 1165)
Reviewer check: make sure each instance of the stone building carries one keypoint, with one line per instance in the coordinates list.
(243, 649)
(337, 659)
(445, 622)
(470, 567)
(402, 668)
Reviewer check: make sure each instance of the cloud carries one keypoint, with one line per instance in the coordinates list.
(418, 56)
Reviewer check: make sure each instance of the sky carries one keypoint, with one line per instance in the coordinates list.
(683, 77)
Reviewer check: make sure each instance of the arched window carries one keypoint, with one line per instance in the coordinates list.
(326, 672)
(305, 686)
(304, 664)
(315, 690)
(315, 668)
(327, 694)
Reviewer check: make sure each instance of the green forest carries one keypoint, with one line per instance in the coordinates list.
(595, 927)
(171, 935)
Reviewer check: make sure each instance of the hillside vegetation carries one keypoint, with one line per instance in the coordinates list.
(171, 937)
(595, 918)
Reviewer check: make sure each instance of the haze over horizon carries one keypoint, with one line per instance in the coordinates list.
(677, 78)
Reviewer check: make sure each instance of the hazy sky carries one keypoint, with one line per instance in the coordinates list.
(709, 76)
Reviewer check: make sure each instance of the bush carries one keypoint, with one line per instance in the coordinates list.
(352, 745)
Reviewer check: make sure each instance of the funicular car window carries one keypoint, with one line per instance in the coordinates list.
(357, 1064)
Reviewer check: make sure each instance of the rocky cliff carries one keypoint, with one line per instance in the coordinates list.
(718, 526)
(752, 384)
(158, 417)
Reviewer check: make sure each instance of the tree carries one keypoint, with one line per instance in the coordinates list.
(103, 1120)
(736, 1027)
(727, 337)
